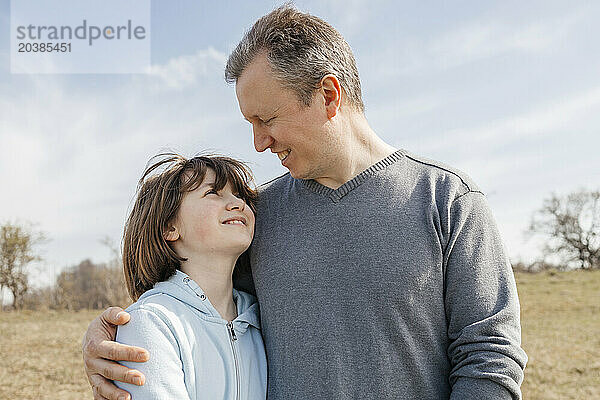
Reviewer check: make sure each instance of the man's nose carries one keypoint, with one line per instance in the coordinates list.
(262, 140)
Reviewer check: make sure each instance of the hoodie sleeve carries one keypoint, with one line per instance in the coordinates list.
(164, 371)
(482, 306)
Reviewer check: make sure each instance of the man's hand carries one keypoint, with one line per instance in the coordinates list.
(99, 349)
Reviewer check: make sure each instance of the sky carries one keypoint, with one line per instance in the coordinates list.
(506, 91)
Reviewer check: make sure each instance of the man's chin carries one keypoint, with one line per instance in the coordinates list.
(300, 174)
(297, 175)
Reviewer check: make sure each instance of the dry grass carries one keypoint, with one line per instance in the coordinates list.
(560, 317)
(40, 351)
(40, 355)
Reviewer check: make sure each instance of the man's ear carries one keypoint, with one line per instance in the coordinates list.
(332, 92)
(171, 234)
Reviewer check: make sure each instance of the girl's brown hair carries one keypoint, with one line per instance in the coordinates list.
(147, 257)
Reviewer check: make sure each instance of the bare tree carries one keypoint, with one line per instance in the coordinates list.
(17, 244)
(571, 225)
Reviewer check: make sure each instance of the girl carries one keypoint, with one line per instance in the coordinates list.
(189, 225)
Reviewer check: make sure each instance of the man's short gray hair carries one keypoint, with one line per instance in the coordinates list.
(301, 49)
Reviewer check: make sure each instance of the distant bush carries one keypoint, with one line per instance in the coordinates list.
(536, 266)
(91, 286)
(83, 286)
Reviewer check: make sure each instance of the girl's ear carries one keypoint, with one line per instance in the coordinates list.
(171, 234)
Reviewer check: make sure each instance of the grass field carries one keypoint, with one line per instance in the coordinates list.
(560, 317)
(40, 354)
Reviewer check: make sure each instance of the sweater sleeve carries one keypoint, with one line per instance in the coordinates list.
(164, 371)
(482, 306)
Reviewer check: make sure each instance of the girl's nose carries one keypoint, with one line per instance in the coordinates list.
(235, 203)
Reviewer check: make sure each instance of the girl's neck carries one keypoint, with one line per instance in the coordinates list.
(214, 277)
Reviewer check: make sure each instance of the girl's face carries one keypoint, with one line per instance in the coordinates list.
(211, 222)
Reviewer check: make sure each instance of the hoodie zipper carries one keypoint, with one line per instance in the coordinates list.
(233, 339)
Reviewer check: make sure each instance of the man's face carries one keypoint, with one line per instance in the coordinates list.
(301, 136)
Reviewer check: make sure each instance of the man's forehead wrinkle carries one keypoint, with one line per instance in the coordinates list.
(258, 112)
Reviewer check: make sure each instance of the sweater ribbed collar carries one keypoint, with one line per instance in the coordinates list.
(336, 195)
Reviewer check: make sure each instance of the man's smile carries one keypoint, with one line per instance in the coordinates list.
(283, 154)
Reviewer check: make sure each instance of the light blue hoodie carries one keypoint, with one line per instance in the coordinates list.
(194, 353)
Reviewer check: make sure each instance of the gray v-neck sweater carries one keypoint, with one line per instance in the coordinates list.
(394, 286)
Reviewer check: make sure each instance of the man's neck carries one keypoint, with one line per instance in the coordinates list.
(362, 149)
(213, 275)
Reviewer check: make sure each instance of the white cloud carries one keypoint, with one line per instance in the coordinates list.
(183, 71)
(483, 39)
(396, 109)
(347, 16)
(549, 118)
(476, 40)
(567, 115)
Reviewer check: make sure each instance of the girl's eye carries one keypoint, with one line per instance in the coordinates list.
(211, 191)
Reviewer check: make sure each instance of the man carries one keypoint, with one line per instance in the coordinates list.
(380, 275)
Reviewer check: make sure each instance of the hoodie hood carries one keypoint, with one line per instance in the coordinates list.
(183, 288)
